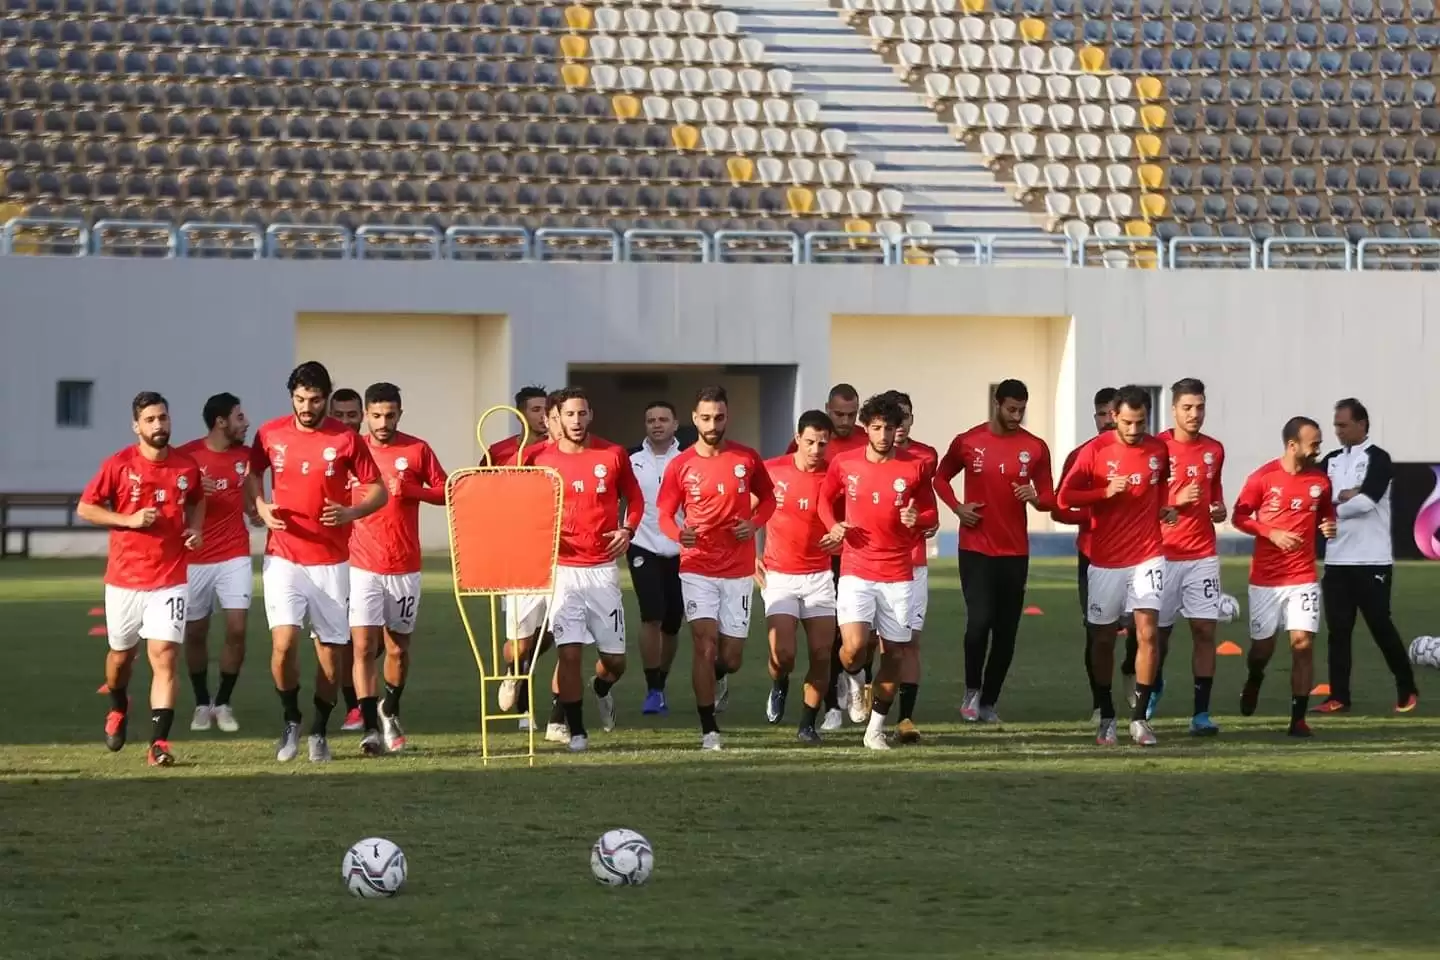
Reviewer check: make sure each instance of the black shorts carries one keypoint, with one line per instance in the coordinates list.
(657, 589)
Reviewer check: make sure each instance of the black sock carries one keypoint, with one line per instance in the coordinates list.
(352, 702)
(908, 693)
(664, 675)
(707, 719)
(290, 703)
(1143, 693)
(601, 686)
(720, 671)
(808, 717)
(782, 686)
(1107, 702)
(1298, 706)
(1202, 694)
(832, 690)
(654, 678)
(881, 707)
(119, 700)
(522, 697)
(870, 667)
(575, 717)
(160, 721)
(227, 687)
(1257, 672)
(557, 712)
(370, 713)
(200, 683)
(392, 699)
(322, 716)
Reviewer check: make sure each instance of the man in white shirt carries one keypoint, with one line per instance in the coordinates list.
(1359, 562)
(654, 558)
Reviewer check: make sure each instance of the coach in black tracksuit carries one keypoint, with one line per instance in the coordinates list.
(1359, 562)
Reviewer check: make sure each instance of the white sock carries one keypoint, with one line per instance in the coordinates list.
(877, 724)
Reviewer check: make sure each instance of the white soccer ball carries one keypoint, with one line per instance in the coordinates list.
(622, 858)
(1425, 652)
(1229, 608)
(374, 867)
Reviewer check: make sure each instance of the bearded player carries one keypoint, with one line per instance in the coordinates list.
(724, 494)
(534, 407)
(347, 406)
(905, 729)
(796, 586)
(1283, 505)
(889, 501)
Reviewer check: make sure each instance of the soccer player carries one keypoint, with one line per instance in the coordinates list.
(151, 498)
(889, 499)
(1122, 477)
(1104, 414)
(905, 729)
(385, 566)
(1192, 579)
(306, 571)
(1006, 468)
(532, 403)
(1282, 505)
(220, 571)
(654, 558)
(589, 610)
(346, 406)
(796, 585)
(724, 494)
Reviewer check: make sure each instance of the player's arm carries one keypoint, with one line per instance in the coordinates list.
(927, 511)
(429, 487)
(194, 512)
(950, 464)
(99, 495)
(1217, 499)
(667, 503)
(1069, 516)
(831, 489)
(370, 496)
(255, 486)
(1043, 481)
(1326, 514)
(1076, 489)
(633, 496)
(1245, 516)
(1378, 474)
(762, 487)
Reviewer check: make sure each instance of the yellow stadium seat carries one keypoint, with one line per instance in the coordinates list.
(917, 257)
(625, 106)
(575, 75)
(973, 6)
(1149, 88)
(856, 225)
(1152, 117)
(684, 136)
(578, 17)
(1151, 176)
(1147, 146)
(23, 244)
(1092, 59)
(1138, 228)
(573, 47)
(1152, 205)
(1032, 30)
(741, 169)
(800, 200)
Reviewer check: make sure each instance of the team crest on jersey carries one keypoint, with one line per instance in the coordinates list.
(739, 469)
(600, 470)
(899, 485)
(1314, 491)
(1209, 458)
(402, 463)
(183, 482)
(1154, 463)
(328, 454)
(241, 468)
(1024, 456)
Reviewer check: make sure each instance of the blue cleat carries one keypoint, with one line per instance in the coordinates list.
(1202, 726)
(655, 703)
(1154, 700)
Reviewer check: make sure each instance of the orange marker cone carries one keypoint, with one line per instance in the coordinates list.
(97, 631)
(97, 611)
(1321, 690)
(1228, 648)
(1034, 612)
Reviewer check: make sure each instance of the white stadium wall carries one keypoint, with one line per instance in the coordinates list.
(457, 337)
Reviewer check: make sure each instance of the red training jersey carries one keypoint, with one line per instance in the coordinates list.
(309, 467)
(878, 546)
(792, 536)
(1125, 528)
(153, 558)
(1192, 536)
(1275, 499)
(596, 479)
(856, 439)
(714, 492)
(993, 465)
(1078, 517)
(388, 541)
(931, 458)
(225, 536)
(504, 452)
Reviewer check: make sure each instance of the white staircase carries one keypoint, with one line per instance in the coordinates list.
(885, 121)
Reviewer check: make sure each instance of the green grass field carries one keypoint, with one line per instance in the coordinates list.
(1023, 841)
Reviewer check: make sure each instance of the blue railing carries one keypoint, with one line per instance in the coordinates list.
(41, 236)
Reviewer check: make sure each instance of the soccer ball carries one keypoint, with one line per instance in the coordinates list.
(1229, 608)
(374, 867)
(1425, 652)
(622, 858)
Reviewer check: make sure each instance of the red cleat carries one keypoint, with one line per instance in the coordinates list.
(1301, 730)
(115, 723)
(1407, 703)
(1331, 706)
(160, 755)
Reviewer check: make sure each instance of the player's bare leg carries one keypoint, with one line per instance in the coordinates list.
(164, 689)
(705, 637)
(1102, 660)
(285, 671)
(396, 670)
(353, 718)
(906, 730)
(894, 660)
(1302, 678)
(857, 648)
(232, 657)
(365, 642)
(1202, 668)
(330, 659)
(1147, 667)
(729, 654)
(609, 668)
(820, 633)
(119, 664)
(569, 688)
(197, 664)
(783, 629)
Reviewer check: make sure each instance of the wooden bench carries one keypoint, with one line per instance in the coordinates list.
(29, 513)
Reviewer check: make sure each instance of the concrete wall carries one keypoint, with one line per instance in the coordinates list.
(1269, 344)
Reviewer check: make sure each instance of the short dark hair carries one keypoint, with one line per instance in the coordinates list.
(382, 392)
(814, 420)
(570, 393)
(881, 407)
(1011, 389)
(346, 395)
(843, 391)
(1355, 408)
(312, 375)
(552, 400)
(143, 399)
(1186, 387)
(1293, 427)
(529, 392)
(712, 394)
(218, 407)
(1136, 398)
(662, 404)
(1105, 396)
(900, 397)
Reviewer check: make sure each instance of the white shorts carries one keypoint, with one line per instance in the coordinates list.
(802, 595)
(1192, 590)
(589, 608)
(919, 597)
(1295, 607)
(320, 592)
(524, 614)
(886, 606)
(726, 599)
(229, 581)
(135, 615)
(1119, 590)
(389, 600)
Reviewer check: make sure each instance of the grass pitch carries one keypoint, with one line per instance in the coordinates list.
(1023, 841)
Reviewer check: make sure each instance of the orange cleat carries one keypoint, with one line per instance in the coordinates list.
(160, 755)
(1331, 706)
(115, 723)
(1407, 703)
